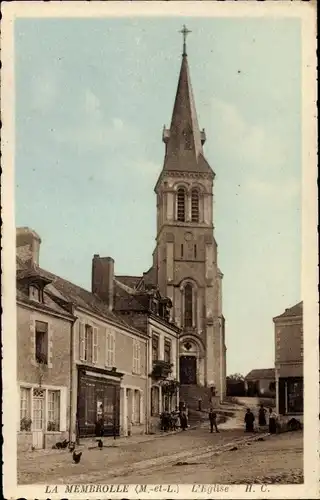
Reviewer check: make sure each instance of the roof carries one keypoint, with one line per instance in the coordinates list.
(184, 150)
(131, 281)
(261, 373)
(296, 310)
(48, 304)
(64, 290)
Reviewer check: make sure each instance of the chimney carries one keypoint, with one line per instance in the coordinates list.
(102, 279)
(28, 245)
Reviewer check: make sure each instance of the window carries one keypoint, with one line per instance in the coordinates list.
(110, 349)
(181, 204)
(167, 351)
(25, 420)
(181, 251)
(53, 422)
(136, 357)
(41, 334)
(35, 293)
(88, 342)
(154, 401)
(195, 205)
(188, 305)
(195, 251)
(136, 407)
(295, 396)
(155, 347)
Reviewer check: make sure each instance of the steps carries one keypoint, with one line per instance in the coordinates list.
(190, 395)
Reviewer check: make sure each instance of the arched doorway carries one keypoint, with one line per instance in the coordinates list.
(191, 361)
(188, 370)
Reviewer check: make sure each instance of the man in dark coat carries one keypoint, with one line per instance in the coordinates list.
(213, 420)
(183, 420)
(249, 420)
(262, 416)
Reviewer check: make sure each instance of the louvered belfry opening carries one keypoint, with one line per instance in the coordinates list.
(195, 205)
(181, 205)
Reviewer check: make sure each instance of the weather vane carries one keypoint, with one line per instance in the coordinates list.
(185, 32)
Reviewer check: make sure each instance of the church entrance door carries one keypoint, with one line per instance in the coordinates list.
(188, 370)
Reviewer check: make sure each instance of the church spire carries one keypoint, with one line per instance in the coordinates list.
(184, 139)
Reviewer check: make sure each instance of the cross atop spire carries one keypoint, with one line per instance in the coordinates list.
(185, 32)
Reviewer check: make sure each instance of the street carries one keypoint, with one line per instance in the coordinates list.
(194, 456)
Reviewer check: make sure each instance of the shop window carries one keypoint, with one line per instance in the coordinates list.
(295, 396)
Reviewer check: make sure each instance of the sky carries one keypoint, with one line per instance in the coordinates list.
(92, 97)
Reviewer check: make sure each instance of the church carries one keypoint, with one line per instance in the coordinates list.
(185, 260)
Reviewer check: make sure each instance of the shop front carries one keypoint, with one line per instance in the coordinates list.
(98, 398)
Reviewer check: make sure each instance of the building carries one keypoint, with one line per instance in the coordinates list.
(261, 382)
(44, 329)
(185, 260)
(89, 359)
(143, 306)
(289, 361)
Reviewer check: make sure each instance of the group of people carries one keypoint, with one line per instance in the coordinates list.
(169, 421)
(249, 419)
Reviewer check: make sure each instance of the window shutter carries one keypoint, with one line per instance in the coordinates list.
(106, 353)
(95, 345)
(81, 341)
(113, 350)
(32, 329)
(139, 358)
(50, 345)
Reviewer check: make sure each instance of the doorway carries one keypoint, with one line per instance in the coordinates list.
(38, 418)
(188, 370)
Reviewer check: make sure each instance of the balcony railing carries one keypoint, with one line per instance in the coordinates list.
(161, 369)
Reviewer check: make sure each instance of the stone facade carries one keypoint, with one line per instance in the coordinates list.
(78, 359)
(289, 360)
(185, 261)
(43, 354)
(119, 354)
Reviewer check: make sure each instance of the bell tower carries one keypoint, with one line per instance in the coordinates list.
(185, 258)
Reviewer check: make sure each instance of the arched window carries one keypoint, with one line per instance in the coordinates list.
(181, 205)
(195, 205)
(188, 303)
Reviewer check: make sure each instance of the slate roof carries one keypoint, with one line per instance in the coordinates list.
(131, 281)
(64, 290)
(184, 123)
(296, 310)
(259, 374)
(133, 301)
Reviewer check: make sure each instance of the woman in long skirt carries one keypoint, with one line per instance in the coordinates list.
(272, 421)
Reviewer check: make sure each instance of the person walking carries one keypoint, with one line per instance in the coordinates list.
(249, 420)
(262, 416)
(213, 420)
(183, 420)
(273, 417)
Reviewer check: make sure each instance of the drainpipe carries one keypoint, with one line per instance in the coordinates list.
(72, 410)
(147, 399)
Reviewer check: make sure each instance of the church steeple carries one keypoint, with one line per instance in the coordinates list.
(184, 140)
